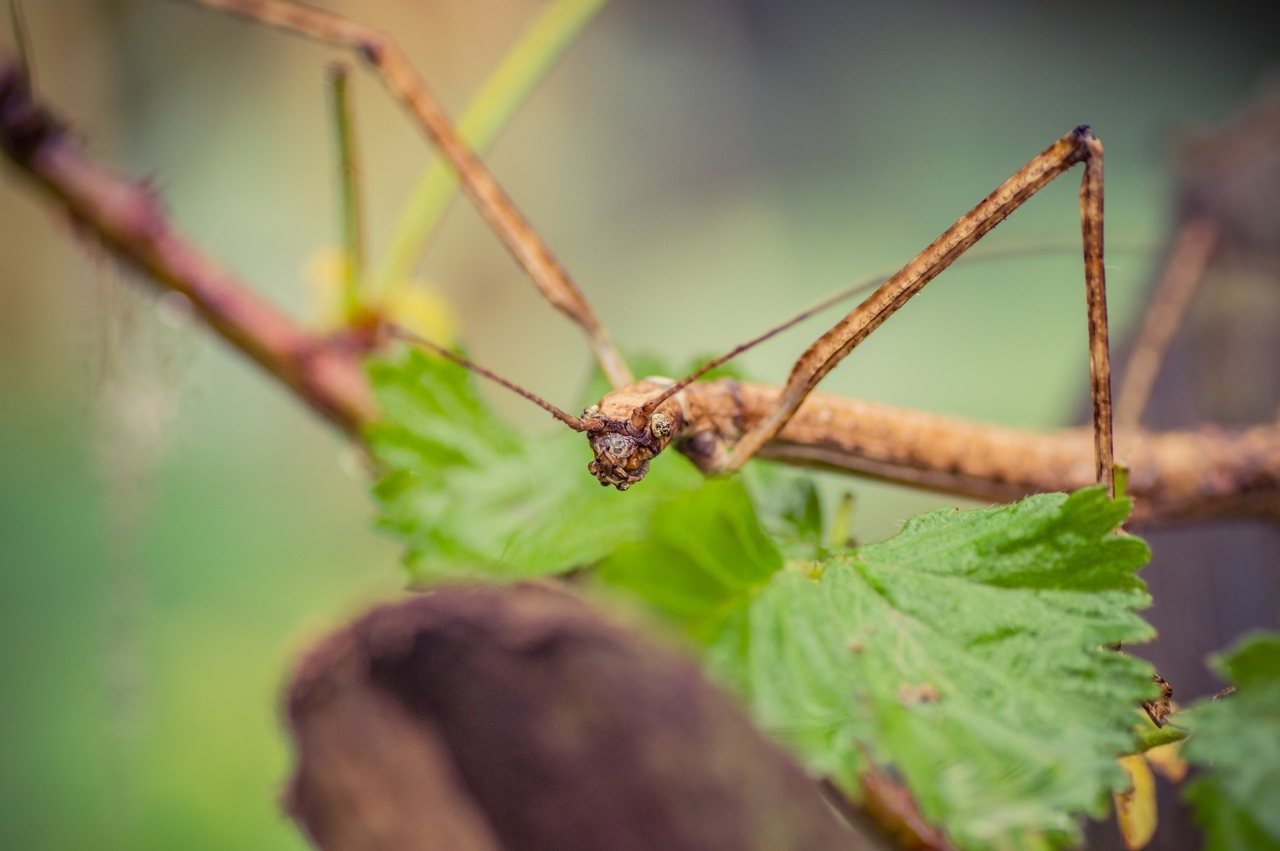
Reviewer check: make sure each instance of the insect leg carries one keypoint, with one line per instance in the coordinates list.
(1080, 145)
(494, 205)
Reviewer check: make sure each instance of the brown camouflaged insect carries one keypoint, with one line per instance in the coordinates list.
(722, 424)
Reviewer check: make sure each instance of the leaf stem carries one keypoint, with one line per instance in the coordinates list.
(507, 88)
(1153, 737)
(349, 181)
(841, 533)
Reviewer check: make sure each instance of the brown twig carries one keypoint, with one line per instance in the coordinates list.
(1176, 476)
(886, 806)
(129, 220)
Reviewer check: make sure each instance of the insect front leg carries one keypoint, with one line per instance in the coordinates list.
(1078, 146)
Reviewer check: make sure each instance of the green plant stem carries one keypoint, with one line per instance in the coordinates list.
(1121, 480)
(1154, 737)
(841, 535)
(349, 180)
(523, 68)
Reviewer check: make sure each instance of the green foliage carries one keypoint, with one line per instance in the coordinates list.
(703, 560)
(473, 499)
(967, 655)
(1237, 738)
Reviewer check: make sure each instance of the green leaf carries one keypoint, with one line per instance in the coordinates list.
(703, 560)
(472, 498)
(789, 507)
(968, 654)
(1237, 738)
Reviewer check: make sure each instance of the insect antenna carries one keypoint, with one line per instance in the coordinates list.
(830, 301)
(399, 333)
(1001, 253)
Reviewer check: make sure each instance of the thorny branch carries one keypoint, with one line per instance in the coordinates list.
(1176, 476)
(130, 221)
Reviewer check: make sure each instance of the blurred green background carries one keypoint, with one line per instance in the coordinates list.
(174, 528)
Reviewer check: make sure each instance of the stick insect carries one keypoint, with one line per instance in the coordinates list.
(720, 425)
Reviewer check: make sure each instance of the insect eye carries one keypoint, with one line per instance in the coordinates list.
(617, 445)
(660, 426)
(591, 412)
